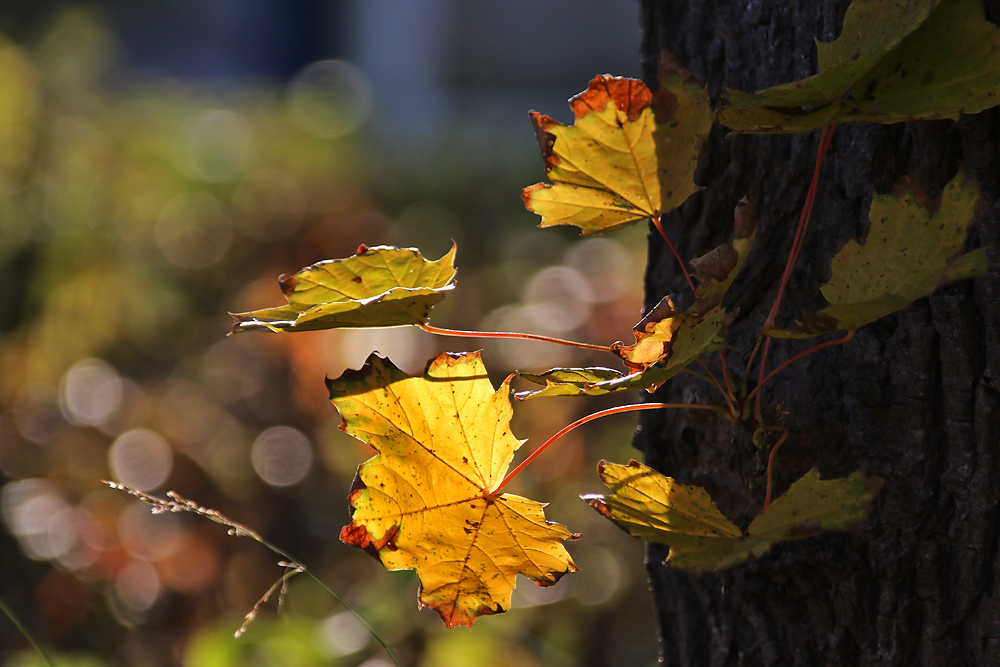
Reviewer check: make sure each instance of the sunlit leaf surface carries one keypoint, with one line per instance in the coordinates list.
(630, 155)
(378, 287)
(426, 501)
(664, 347)
(656, 508)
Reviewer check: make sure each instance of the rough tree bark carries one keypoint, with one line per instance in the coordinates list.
(914, 399)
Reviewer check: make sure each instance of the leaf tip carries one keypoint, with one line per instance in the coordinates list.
(546, 139)
(287, 284)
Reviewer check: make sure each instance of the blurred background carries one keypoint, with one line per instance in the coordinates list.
(162, 163)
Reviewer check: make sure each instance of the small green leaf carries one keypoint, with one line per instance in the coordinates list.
(812, 506)
(378, 287)
(893, 62)
(656, 508)
(871, 29)
(907, 254)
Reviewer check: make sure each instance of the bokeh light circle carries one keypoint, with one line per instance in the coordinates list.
(330, 98)
(561, 298)
(343, 634)
(194, 230)
(220, 144)
(90, 393)
(138, 586)
(282, 456)
(140, 458)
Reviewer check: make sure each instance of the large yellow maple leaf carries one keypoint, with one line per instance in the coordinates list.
(426, 502)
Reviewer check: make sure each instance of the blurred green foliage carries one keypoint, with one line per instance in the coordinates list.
(136, 211)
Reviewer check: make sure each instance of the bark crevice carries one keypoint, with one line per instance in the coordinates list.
(914, 399)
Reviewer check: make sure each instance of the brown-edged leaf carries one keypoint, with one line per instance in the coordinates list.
(630, 155)
(426, 502)
(667, 348)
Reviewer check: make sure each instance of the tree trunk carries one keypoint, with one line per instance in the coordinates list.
(913, 399)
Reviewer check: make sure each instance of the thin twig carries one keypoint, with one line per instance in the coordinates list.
(836, 341)
(512, 334)
(177, 503)
(718, 385)
(753, 353)
(725, 376)
(770, 465)
(826, 135)
(673, 249)
(291, 569)
(597, 415)
(824, 143)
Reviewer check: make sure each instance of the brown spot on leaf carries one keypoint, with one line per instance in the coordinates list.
(546, 139)
(358, 536)
(818, 323)
(356, 279)
(599, 504)
(806, 529)
(287, 284)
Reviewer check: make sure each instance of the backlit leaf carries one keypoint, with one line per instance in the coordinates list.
(668, 347)
(567, 381)
(907, 254)
(630, 155)
(426, 501)
(900, 60)
(656, 508)
(666, 334)
(378, 287)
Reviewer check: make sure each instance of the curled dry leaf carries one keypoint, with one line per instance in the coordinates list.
(377, 287)
(426, 501)
(630, 155)
(716, 269)
(656, 508)
(908, 252)
(664, 347)
(668, 335)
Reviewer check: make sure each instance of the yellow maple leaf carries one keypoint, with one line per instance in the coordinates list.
(630, 155)
(908, 252)
(656, 508)
(426, 502)
(376, 287)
